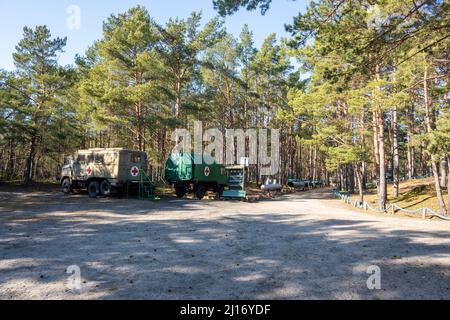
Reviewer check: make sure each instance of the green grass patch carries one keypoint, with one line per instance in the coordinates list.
(413, 194)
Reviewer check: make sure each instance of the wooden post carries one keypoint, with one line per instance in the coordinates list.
(424, 213)
(393, 210)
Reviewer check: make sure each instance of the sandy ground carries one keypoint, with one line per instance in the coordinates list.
(300, 246)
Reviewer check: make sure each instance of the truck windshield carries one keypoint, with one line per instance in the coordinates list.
(81, 159)
(136, 158)
(68, 160)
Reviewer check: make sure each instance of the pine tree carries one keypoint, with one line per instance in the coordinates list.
(179, 44)
(35, 88)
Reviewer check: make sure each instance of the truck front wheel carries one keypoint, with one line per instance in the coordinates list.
(93, 189)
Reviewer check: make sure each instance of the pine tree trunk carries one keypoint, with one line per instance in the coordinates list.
(351, 178)
(310, 162)
(443, 171)
(376, 148)
(342, 178)
(434, 166)
(10, 168)
(28, 174)
(395, 162)
(382, 194)
(448, 185)
(359, 179)
(315, 164)
(178, 97)
(409, 150)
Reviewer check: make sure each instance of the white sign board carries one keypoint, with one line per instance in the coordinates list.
(244, 161)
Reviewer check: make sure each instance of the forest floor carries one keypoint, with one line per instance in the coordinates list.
(297, 246)
(413, 194)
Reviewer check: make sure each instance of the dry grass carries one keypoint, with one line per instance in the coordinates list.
(413, 194)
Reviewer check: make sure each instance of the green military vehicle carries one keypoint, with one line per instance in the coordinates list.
(187, 177)
(101, 170)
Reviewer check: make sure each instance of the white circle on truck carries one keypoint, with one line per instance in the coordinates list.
(134, 171)
(207, 172)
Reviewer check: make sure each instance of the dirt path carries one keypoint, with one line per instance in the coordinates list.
(302, 246)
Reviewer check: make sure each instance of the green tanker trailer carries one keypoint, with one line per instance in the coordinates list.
(187, 177)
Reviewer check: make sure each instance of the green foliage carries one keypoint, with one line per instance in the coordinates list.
(180, 43)
(228, 7)
(34, 97)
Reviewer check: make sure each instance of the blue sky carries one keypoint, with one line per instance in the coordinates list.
(15, 14)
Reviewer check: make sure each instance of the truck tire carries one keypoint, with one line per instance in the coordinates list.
(200, 192)
(93, 189)
(220, 191)
(66, 186)
(105, 188)
(180, 191)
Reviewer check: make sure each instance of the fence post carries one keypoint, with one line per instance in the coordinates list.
(393, 210)
(366, 206)
(424, 213)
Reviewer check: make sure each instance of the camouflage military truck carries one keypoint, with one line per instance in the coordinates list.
(101, 170)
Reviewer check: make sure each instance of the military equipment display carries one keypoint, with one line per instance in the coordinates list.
(187, 177)
(236, 183)
(305, 184)
(271, 185)
(317, 183)
(101, 170)
(299, 184)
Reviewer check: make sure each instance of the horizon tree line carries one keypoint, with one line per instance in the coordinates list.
(365, 107)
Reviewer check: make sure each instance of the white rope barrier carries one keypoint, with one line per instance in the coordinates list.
(391, 208)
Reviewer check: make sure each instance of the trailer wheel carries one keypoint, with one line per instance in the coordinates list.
(93, 189)
(200, 192)
(105, 188)
(220, 191)
(180, 191)
(66, 186)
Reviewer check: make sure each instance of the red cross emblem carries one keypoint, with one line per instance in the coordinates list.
(207, 171)
(134, 171)
(89, 171)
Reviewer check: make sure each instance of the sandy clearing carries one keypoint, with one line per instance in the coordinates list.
(300, 246)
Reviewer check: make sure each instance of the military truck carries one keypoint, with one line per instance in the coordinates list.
(187, 177)
(102, 170)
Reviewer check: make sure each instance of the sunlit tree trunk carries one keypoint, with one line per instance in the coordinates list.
(395, 162)
(382, 194)
(429, 129)
(448, 184)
